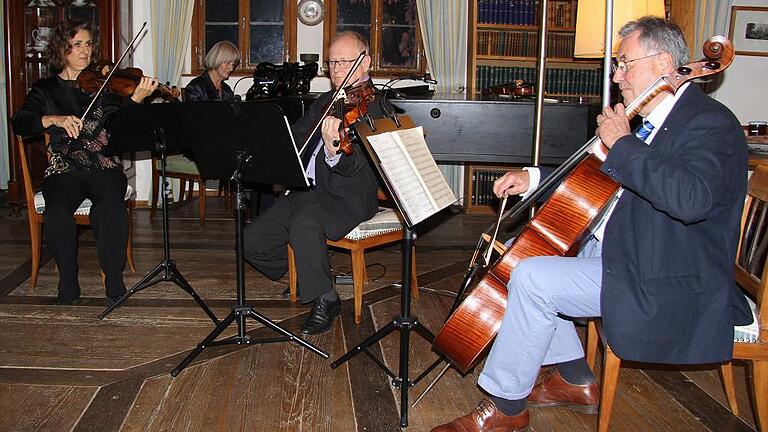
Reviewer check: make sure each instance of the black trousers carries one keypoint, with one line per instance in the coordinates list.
(293, 219)
(63, 193)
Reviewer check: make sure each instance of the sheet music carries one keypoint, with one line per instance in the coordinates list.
(413, 197)
(430, 174)
(418, 183)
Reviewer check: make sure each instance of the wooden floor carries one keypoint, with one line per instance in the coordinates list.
(62, 369)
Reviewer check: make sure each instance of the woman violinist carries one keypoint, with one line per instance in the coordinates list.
(78, 168)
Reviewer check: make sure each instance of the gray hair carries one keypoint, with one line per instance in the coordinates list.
(659, 35)
(222, 52)
(362, 44)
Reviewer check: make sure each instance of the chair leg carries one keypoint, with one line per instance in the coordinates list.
(760, 383)
(129, 245)
(36, 239)
(726, 374)
(292, 277)
(611, 365)
(592, 338)
(414, 279)
(358, 280)
(202, 202)
(155, 193)
(182, 189)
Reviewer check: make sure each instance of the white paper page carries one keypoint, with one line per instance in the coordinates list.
(405, 182)
(431, 176)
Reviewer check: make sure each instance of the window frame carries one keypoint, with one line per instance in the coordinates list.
(243, 34)
(377, 70)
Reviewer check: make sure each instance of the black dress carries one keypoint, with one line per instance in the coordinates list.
(78, 170)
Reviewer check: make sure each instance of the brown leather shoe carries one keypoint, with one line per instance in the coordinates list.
(486, 418)
(555, 391)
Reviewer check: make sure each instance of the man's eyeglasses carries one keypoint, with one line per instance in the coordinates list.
(622, 65)
(342, 64)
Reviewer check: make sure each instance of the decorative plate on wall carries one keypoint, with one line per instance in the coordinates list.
(311, 12)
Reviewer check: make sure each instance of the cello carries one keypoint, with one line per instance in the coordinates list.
(559, 228)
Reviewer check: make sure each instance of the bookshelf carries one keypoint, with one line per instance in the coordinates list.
(503, 47)
(479, 188)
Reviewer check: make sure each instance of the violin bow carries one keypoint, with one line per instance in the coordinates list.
(336, 95)
(114, 68)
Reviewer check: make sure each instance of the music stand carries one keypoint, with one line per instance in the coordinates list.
(251, 142)
(405, 322)
(153, 127)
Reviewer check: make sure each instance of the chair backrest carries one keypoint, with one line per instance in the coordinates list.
(26, 171)
(751, 262)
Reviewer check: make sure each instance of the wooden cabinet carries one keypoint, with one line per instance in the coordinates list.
(27, 25)
(503, 47)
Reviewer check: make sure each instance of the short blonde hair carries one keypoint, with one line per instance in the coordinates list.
(222, 52)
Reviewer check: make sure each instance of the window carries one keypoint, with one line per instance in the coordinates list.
(264, 30)
(391, 27)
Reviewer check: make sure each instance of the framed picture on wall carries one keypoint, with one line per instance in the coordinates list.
(749, 30)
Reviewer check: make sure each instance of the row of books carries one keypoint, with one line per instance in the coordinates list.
(520, 43)
(518, 12)
(561, 14)
(482, 186)
(559, 81)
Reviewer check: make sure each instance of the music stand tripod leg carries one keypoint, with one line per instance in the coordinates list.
(403, 323)
(241, 311)
(166, 271)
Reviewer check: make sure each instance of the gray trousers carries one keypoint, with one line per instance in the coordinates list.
(532, 332)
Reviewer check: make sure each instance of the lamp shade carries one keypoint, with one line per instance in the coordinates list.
(590, 23)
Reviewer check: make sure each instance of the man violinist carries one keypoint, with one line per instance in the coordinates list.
(658, 267)
(343, 194)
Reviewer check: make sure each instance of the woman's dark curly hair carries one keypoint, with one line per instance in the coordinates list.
(58, 43)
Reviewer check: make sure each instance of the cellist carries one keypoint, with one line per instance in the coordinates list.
(658, 267)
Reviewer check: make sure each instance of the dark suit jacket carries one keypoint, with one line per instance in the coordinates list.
(201, 89)
(668, 290)
(347, 193)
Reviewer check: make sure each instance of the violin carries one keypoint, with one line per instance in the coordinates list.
(516, 88)
(350, 106)
(583, 196)
(123, 81)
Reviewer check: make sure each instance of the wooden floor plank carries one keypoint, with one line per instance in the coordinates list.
(42, 408)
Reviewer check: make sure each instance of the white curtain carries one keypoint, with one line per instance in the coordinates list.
(712, 18)
(4, 160)
(171, 29)
(444, 32)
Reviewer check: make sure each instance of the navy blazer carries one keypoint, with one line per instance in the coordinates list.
(347, 192)
(668, 290)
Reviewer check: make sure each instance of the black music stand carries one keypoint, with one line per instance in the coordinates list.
(405, 322)
(250, 142)
(153, 127)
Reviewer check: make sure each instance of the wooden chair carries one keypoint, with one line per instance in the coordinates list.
(185, 170)
(752, 275)
(382, 229)
(36, 207)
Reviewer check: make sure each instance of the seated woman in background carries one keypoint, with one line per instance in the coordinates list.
(221, 60)
(78, 167)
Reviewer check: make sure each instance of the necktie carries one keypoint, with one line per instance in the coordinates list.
(644, 130)
(307, 155)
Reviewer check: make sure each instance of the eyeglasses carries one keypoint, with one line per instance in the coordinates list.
(622, 65)
(340, 64)
(234, 63)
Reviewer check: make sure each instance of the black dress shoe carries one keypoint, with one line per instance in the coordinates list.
(68, 302)
(321, 316)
